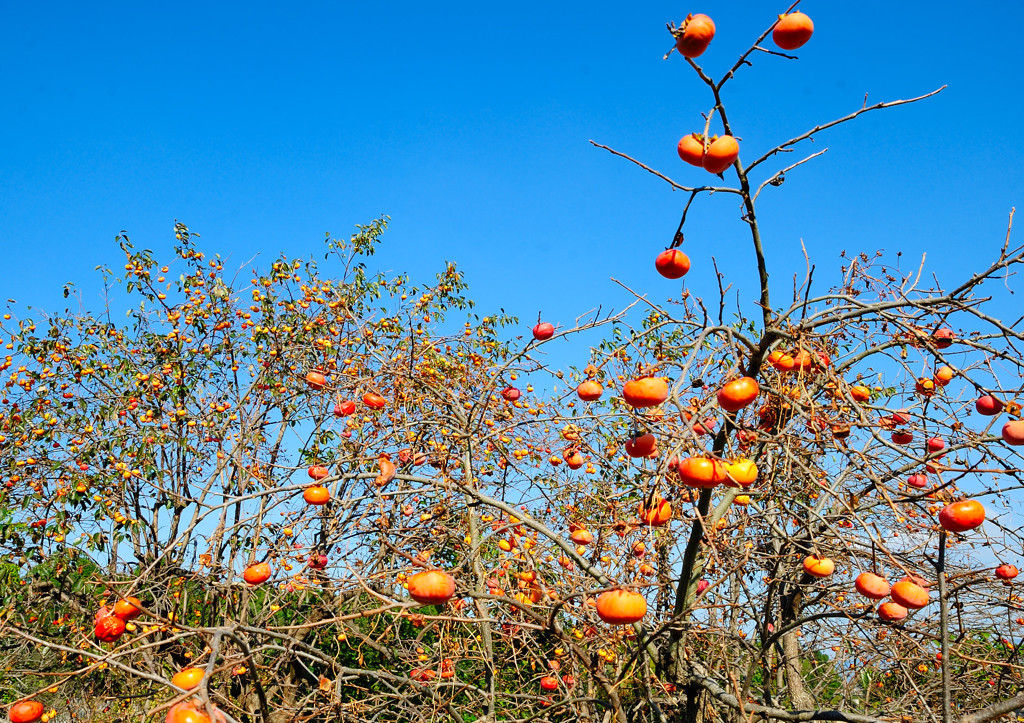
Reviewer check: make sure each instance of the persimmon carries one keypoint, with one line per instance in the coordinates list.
(549, 682)
(574, 458)
(872, 586)
(345, 408)
(943, 376)
(988, 405)
(943, 338)
(818, 566)
(781, 361)
(387, 470)
(590, 391)
(192, 711)
(543, 330)
(891, 611)
(109, 628)
(903, 437)
(657, 514)
(27, 711)
(645, 392)
(962, 516)
(127, 609)
(737, 394)
(721, 154)
(918, 481)
(318, 472)
(935, 444)
(510, 394)
(691, 149)
(642, 445)
(702, 472)
(316, 380)
(582, 537)
(742, 472)
(431, 587)
(374, 401)
(188, 678)
(1007, 572)
(1013, 432)
(808, 361)
(257, 573)
(316, 495)
(909, 595)
(924, 386)
(621, 607)
(672, 264)
(741, 500)
(792, 31)
(694, 35)
(860, 393)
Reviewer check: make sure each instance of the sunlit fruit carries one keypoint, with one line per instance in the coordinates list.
(918, 481)
(943, 338)
(702, 472)
(721, 154)
(988, 405)
(374, 401)
(962, 516)
(742, 472)
(191, 711)
(737, 394)
(943, 376)
(548, 682)
(935, 444)
(818, 566)
(510, 394)
(109, 628)
(1013, 432)
(256, 574)
(543, 330)
(672, 264)
(431, 587)
(860, 393)
(1006, 572)
(316, 380)
(318, 472)
(643, 445)
(697, 33)
(316, 495)
(621, 607)
(659, 512)
(792, 31)
(345, 408)
(188, 678)
(645, 392)
(903, 437)
(909, 595)
(582, 537)
(872, 586)
(691, 149)
(27, 711)
(891, 611)
(127, 609)
(589, 391)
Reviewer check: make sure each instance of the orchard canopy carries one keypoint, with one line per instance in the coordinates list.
(303, 490)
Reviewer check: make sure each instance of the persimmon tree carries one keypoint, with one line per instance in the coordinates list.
(308, 491)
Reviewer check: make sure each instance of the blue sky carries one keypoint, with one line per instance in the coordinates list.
(263, 125)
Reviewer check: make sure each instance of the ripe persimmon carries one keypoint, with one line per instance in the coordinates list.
(792, 31)
(621, 607)
(691, 149)
(316, 495)
(672, 264)
(721, 154)
(694, 35)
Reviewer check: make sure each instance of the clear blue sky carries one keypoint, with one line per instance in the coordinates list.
(263, 125)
